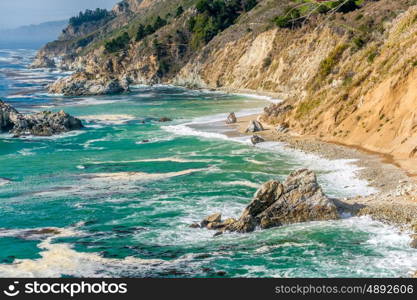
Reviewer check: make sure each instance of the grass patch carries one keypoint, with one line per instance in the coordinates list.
(306, 107)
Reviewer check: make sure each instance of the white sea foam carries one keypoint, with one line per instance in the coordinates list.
(256, 162)
(139, 176)
(395, 254)
(114, 119)
(87, 145)
(340, 176)
(93, 101)
(187, 128)
(263, 97)
(58, 259)
(26, 152)
(241, 183)
(53, 137)
(17, 96)
(162, 159)
(4, 181)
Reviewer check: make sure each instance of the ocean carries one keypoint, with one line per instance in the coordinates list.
(121, 193)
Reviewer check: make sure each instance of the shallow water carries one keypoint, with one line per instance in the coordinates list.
(123, 206)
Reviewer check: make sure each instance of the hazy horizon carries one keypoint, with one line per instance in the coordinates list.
(17, 13)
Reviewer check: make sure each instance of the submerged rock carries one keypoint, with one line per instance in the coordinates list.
(44, 123)
(214, 222)
(298, 199)
(82, 84)
(215, 218)
(165, 119)
(231, 119)
(254, 126)
(43, 231)
(256, 140)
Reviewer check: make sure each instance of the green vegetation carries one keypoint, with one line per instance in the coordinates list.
(214, 17)
(149, 29)
(290, 18)
(267, 62)
(179, 12)
(118, 44)
(141, 33)
(306, 107)
(295, 15)
(89, 16)
(330, 61)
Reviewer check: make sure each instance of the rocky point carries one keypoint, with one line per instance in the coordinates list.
(298, 199)
(44, 123)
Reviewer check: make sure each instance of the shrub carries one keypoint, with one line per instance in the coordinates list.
(371, 57)
(249, 4)
(179, 11)
(322, 9)
(89, 16)
(118, 44)
(290, 18)
(214, 17)
(344, 6)
(159, 23)
(149, 29)
(141, 33)
(267, 62)
(329, 62)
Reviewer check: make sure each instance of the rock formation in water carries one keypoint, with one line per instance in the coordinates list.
(298, 199)
(256, 139)
(83, 84)
(44, 123)
(8, 116)
(254, 126)
(231, 118)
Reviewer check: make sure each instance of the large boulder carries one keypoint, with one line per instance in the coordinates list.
(83, 84)
(231, 119)
(256, 139)
(298, 199)
(44, 123)
(8, 116)
(254, 126)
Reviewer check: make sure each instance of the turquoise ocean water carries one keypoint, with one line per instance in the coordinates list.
(123, 207)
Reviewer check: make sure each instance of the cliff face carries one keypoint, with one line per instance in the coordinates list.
(346, 76)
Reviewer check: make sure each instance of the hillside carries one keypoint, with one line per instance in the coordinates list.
(346, 69)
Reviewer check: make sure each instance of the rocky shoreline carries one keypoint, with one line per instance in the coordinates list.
(396, 201)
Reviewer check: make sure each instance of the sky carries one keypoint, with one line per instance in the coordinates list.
(15, 13)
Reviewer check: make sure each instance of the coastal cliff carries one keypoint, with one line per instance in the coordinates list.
(345, 69)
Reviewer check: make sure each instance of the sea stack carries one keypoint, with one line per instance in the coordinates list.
(231, 119)
(298, 199)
